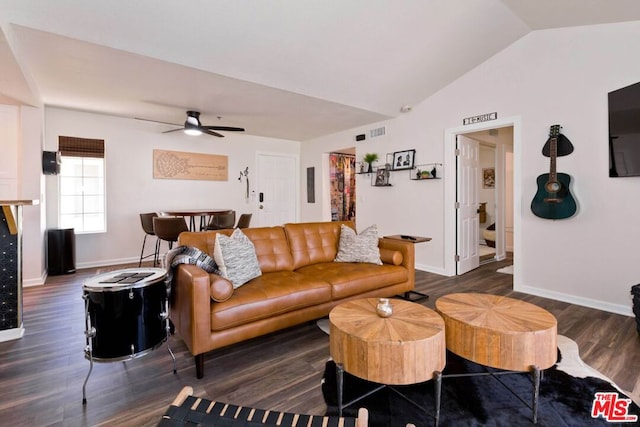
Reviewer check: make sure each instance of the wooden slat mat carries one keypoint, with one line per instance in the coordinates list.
(196, 411)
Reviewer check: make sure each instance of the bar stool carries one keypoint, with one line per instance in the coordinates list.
(244, 221)
(168, 228)
(146, 219)
(222, 221)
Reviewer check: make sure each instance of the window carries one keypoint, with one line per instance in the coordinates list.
(82, 195)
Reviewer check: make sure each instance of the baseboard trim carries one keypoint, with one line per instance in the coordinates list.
(107, 263)
(39, 281)
(431, 269)
(12, 334)
(574, 299)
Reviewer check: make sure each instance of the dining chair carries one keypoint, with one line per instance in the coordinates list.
(222, 221)
(244, 221)
(168, 228)
(146, 219)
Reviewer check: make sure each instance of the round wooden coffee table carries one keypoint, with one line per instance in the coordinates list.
(406, 348)
(501, 332)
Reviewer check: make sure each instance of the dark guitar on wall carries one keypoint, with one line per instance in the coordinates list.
(553, 200)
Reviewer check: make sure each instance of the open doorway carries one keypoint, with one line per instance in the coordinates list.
(495, 147)
(342, 185)
(503, 137)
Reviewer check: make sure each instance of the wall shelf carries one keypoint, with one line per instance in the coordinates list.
(362, 168)
(380, 175)
(426, 172)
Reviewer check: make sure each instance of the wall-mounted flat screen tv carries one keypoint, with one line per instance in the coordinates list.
(624, 131)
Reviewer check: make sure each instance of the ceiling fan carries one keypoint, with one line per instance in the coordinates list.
(192, 126)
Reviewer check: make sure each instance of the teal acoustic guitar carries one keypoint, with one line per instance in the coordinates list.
(553, 200)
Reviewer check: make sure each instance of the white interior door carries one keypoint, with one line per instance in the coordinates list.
(277, 189)
(468, 184)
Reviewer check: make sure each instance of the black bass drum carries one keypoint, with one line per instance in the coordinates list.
(125, 313)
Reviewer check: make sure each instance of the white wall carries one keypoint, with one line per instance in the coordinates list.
(9, 161)
(32, 188)
(558, 76)
(131, 189)
(409, 206)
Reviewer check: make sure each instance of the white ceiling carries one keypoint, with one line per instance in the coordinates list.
(293, 69)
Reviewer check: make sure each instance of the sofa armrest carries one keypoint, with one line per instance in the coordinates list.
(190, 309)
(407, 250)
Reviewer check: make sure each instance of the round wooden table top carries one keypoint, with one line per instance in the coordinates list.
(499, 331)
(405, 348)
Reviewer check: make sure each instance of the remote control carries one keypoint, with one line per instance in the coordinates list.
(404, 236)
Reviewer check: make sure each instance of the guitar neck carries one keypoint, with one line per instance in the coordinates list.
(553, 154)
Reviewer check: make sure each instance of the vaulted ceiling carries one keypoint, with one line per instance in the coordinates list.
(293, 69)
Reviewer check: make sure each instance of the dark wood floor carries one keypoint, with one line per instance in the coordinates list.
(42, 373)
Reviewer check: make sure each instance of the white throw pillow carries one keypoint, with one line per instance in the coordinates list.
(236, 258)
(361, 247)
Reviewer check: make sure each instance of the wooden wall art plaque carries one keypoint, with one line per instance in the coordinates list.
(194, 166)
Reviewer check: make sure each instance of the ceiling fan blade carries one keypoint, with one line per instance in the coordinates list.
(156, 121)
(210, 132)
(173, 130)
(227, 128)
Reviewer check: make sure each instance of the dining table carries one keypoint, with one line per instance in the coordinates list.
(192, 214)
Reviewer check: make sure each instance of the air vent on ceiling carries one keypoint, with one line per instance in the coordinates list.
(493, 132)
(377, 132)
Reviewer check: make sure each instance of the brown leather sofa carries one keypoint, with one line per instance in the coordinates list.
(300, 282)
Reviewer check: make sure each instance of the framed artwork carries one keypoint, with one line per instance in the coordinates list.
(403, 159)
(488, 177)
(382, 177)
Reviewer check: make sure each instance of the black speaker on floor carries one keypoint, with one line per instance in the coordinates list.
(50, 162)
(61, 251)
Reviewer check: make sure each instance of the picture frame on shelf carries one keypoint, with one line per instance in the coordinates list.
(382, 177)
(403, 159)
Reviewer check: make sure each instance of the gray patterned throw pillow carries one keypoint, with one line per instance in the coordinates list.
(361, 247)
(236, 258)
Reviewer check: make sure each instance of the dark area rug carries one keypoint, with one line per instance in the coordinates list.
(477, 401)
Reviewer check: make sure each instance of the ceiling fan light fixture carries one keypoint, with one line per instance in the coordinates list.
(193, 118)
(192, 124)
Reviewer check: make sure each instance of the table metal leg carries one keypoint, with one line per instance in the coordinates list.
(437, 385)
(339, 384)
(535, 373)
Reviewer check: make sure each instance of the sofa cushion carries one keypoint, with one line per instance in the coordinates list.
(313, 242)
(236, 258)
(272, 248)
(268, 296)
(348, 279)
(361, 247)
(205, 241)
